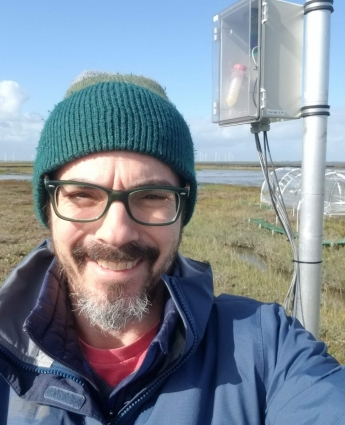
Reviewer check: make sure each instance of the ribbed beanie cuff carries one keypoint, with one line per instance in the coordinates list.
(114, 116)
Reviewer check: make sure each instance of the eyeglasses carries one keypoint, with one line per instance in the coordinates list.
(85, 202)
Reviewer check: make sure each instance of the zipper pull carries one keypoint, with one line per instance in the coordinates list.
(110, 417)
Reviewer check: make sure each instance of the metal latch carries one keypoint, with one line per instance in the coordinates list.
(215, 108)
(264, 14)
(215, 33)
(262, 98)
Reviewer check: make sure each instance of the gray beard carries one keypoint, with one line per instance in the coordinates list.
(114, 310)
(112, 315)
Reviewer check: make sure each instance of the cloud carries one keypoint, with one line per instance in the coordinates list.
(285, 139)
(11, 99)
(19, 131)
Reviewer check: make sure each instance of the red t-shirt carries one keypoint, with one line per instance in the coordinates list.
(113, 365)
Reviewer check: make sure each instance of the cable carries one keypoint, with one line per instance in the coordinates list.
(254, 92)
(253, 57)
(280, 210)
(255, 69)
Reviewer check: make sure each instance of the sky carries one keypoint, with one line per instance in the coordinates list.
(46, 44)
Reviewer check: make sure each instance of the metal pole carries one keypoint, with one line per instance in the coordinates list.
(314, 112)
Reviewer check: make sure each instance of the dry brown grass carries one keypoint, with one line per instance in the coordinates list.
(16, 167)
(20, 232)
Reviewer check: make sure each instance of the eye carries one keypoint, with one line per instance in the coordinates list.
(154, 196)
(79, 194)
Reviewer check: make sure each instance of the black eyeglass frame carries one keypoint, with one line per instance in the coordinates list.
(116, 195)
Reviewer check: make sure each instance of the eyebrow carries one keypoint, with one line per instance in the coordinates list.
(148, 182)
(155, 182)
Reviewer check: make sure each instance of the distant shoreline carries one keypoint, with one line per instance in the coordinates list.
(252, 164)
(26, 167)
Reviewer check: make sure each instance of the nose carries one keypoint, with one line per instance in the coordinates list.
(116, 228)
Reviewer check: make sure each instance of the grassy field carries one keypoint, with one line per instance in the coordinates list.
(246, 260)
(16, 167)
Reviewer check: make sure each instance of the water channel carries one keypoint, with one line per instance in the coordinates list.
(15, 176)
(234, 177)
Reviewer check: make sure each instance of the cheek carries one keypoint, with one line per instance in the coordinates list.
(65, 233)
(168, 238)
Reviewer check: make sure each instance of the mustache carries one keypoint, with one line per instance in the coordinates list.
(129, 252)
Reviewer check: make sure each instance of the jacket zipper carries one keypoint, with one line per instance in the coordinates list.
(166, 374)
(66, 365)
(110, 417)
(36, 369)
(42, 371)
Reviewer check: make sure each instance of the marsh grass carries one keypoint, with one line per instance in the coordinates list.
(20, 232)
(217, 233)
(16, 167)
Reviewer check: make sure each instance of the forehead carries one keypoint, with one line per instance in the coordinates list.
(108, 167)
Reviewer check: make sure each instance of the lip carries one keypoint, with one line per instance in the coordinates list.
(118, 265)
(97, 268)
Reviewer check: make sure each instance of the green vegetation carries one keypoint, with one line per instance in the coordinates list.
(16, 167)
(19, 229)
(226, 166)
(219, 233)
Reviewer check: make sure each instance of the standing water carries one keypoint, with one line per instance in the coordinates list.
(234, 177)
(16, 177)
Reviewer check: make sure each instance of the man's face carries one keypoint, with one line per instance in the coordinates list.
(113, 265)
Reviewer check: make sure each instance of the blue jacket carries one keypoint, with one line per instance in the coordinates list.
(224, 360)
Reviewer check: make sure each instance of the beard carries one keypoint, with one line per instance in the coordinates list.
(114, 308)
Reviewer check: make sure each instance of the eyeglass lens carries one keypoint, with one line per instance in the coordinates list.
(87, 203)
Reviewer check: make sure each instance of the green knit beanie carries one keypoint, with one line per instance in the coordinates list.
(112, 112)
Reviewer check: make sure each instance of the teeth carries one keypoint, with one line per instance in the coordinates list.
(119, 265)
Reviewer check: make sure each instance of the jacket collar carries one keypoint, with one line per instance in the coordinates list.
(192, 293)
(45, 311)
(21, 291)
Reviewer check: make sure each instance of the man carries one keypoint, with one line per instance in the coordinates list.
(106, 323)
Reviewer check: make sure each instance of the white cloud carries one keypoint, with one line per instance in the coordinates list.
(285, 139)
(19, 131)
(11, 99)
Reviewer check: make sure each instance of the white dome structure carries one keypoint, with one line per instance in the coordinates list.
(335, 193)
(289, 181)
